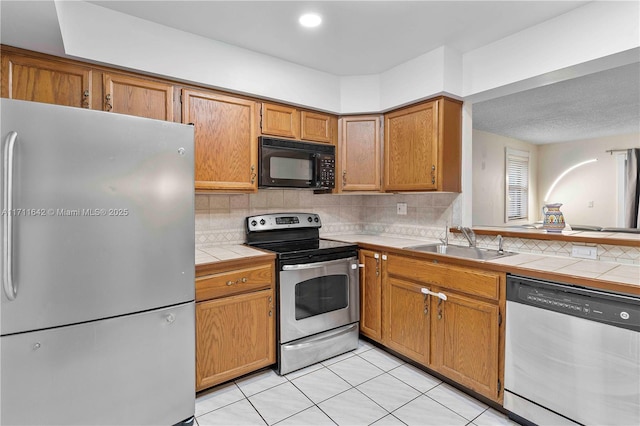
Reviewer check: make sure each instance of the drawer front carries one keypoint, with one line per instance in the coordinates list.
(234, 282)
(465, 280)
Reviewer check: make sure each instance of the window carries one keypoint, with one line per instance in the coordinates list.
(517, 185)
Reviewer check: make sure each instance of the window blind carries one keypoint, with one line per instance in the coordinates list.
(517, 185)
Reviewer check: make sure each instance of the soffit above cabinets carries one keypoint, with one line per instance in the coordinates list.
(356, 37)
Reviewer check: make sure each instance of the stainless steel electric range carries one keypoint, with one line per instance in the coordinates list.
(317, 288)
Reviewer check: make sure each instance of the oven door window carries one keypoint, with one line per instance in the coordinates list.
(321, 295)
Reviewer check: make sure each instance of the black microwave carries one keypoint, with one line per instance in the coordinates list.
(285, 163)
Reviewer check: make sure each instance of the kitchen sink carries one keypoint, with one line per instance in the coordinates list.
(461, 251)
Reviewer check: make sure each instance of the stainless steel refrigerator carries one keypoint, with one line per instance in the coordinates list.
(97, 314)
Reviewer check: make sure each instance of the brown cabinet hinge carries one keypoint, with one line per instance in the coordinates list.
(499, 387)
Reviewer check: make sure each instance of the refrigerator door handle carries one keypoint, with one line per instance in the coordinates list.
(10, 288)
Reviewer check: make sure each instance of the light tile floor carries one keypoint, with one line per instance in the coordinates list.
(366, 386)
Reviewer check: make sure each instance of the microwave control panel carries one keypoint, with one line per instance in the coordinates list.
(326, 171)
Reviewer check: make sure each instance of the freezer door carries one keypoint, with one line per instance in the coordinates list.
(133, 370)
(102, 217)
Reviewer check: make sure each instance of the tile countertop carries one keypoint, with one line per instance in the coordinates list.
(567, 266)
(225, 252)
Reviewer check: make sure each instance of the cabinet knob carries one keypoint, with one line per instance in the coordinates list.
(270, 313)
(108, 105)
(230, 282)
(85, 99)
(426, 310)
(244, 280)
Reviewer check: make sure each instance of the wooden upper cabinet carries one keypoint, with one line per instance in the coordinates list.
(359, 153)
(316, 127)
(422, 149)
(280, 120)
(32, 79)
(136, 96)
(226, 148)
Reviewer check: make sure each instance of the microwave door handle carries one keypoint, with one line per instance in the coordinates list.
(316, 170)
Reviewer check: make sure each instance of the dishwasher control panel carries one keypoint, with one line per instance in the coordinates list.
(618, 310)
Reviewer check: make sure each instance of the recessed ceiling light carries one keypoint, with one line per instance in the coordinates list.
(310, 20)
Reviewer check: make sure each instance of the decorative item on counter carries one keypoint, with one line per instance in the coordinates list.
(553, 217)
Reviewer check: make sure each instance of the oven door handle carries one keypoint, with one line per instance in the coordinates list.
(314, 265)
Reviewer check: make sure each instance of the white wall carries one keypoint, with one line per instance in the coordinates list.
(489, 178)
(593, 182)
(602, 32)
(88, 33)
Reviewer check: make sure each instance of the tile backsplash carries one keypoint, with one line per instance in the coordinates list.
(220, 218)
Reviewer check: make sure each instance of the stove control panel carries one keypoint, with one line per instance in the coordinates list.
(275, 221)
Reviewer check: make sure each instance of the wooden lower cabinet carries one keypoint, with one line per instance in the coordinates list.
(459, 334)
(235, 332)
(234, 335)
(371, 295)
(465, 334)
(407, 314)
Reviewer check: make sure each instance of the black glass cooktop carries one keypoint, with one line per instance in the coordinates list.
(305, 246)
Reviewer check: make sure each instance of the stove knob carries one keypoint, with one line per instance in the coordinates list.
(309, 219)
(262, 222)
(316, 220)
(254, 223)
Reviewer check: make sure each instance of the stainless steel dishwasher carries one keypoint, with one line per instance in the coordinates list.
(572, 355)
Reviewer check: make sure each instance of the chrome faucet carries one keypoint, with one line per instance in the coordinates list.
(445, 240)
(469, 235)
(500, 241)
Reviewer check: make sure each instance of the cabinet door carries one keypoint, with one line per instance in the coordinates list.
(465, 342)
(316, 127)
(371, 295)
(407, 319)
(280, 120)
(51, 82)
(411, 148)
(234, 336)
(360, 153)
(136, 96)
(225, 140)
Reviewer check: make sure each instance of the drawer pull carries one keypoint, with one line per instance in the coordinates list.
(241, 280)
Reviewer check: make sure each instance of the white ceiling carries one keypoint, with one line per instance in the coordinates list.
(597, 105)
(356, 37)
